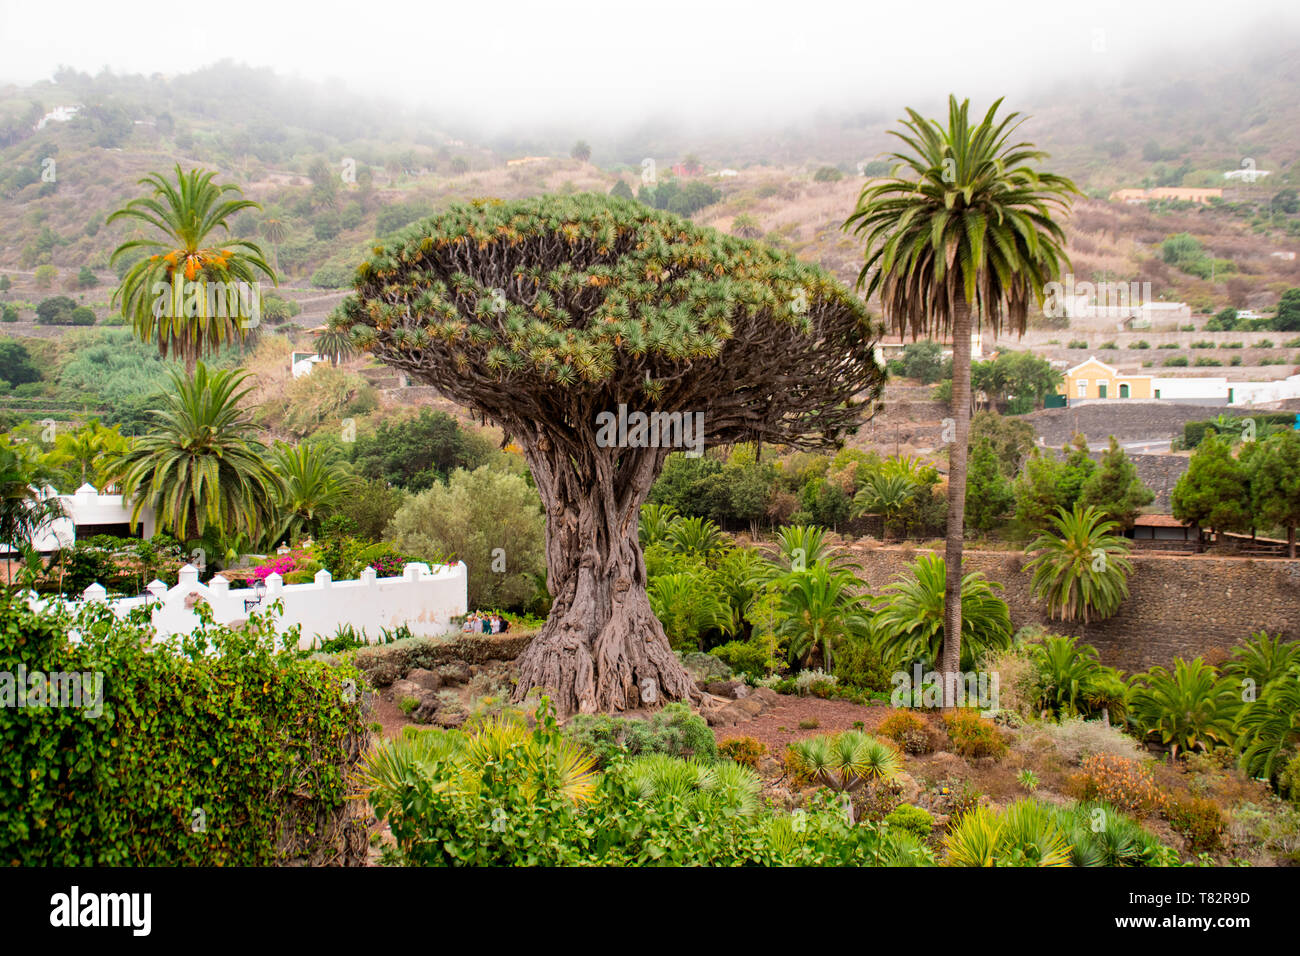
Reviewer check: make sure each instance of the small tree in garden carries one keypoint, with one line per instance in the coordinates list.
(1115, 488)
(555, 316)
(1080, 568)
(1275, 483)
(1214, 492)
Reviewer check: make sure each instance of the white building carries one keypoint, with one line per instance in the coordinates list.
(1193, 391)
(301, 363)
(86, 514)
(1260, 393)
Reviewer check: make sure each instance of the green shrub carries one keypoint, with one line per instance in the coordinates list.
(675, 730)
(1168, 345)
(910, 819)
(1204, 362)
(1108, 345)
(1077, 344)
(210, 750)
(533, 803)
(1203, 344)
(1175, 361)
(1140, 344)
(743, 657)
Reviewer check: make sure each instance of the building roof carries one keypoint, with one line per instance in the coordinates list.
(1093, 360)
(1158, 521)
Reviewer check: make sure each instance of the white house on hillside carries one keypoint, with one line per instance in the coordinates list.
(301, 363)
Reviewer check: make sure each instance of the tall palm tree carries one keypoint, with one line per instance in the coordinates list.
(168, 295)
(199, 468)
(275, 231)
(312, 485)
(970, 231)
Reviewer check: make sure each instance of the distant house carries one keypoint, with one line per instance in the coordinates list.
(1163, 531)
(686, 171)
(88, 513)
(890, 347)
(60, 114)
(301, 363)
(1094, 379)
(1179, 193)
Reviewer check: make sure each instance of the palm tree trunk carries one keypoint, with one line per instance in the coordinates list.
(951, 657)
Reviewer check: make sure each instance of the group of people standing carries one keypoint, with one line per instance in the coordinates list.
(486, 624)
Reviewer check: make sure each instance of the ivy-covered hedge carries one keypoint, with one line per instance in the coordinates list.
(212, 750)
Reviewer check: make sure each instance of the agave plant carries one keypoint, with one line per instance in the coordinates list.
(727, 786)
(1080, 572)
(910, 618)
(1024, 834)
(539, 761)
(1192, 708)
(844, 762)
(1099, 835)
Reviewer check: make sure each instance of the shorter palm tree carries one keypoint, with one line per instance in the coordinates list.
(1080, 571)
(690, 607)
(312, 485)
(820, 607)
(26, 509)
(334, 344)
(1192, 708)
(200, 468)
(1262, 659)
(1066, 669)
(885, 494)
(909, 620)
(656, 522)
(695, 535)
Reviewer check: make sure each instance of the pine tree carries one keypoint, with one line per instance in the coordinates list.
(1115, 488)
(988, 493)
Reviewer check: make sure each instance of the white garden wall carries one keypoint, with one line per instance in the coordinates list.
(424, 600)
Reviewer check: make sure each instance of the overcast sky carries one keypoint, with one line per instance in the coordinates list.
(507, 64)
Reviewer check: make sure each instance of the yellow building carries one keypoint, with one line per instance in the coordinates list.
(1096, 379)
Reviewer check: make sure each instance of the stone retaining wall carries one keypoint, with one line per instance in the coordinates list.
(1178, 606)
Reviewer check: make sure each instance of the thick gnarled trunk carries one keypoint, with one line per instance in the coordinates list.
(950, 665)
(602, 648)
